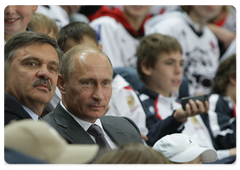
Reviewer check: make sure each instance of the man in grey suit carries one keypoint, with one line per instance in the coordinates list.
(85, 82)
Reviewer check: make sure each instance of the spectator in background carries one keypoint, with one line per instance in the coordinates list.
(181, 149)
(159, 66)
(32, 62)
(224, 27)
(222, 111)
(40, 141)
(16, 19)
(200, 47)
(85, 82)
(132, 154)
(119, 32)
(42, 23)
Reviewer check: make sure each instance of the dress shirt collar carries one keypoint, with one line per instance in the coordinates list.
(31, 113)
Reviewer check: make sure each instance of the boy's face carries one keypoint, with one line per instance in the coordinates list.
(17, 17)
(207, 11)
(137, 11)
(166, 77)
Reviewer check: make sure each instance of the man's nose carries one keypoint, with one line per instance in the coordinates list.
(44, 73)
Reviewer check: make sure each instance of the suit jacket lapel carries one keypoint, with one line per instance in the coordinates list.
(72, 129)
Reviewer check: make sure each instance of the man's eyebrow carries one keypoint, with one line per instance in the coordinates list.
(30, 58)
(54, 63)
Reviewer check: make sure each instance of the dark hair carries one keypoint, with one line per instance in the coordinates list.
(226, 69)
(76, 31)
(28, 38)
(152, 47)
(132, 154)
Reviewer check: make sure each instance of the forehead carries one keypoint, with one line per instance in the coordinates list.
(41, 51)
(93, 63)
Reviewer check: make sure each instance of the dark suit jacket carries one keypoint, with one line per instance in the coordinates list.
(13, 110)
(120, 130)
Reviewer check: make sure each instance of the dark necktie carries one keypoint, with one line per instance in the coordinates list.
(97, 132)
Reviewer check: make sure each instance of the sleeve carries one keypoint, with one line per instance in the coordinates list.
(157, 130)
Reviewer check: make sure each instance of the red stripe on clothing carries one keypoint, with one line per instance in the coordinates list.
(234, 110)
(129, 88)
(156, 108)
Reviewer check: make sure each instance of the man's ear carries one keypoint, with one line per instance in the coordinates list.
(61, 84)
(232, 81)
(100, 46)
(34, 8)
(146, 69)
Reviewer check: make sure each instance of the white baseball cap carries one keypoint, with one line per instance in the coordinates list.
(39, 140)
(180, 148)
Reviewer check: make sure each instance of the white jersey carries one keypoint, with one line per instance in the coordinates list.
(125, 102)
(55, 12)
(200, 52)
(117, 43)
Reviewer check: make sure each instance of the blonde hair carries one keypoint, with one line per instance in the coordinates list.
(132, 154)
(40, 23)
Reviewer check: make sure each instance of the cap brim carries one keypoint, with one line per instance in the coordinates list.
(77, 154)
(207, 155)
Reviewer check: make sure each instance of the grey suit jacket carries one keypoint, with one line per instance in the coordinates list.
(120, 130)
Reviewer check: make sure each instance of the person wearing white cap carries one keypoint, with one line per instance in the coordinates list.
(180, 148)
(40, 141)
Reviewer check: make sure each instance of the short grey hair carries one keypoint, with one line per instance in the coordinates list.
(28, 38)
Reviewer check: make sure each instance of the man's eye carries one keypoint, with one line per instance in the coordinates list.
(32, 64)
(87, 83)
(52, 69)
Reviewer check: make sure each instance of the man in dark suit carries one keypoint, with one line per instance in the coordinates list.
(32, 62)
(85, 82)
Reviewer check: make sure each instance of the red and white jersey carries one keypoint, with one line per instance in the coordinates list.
(125, 102)
(200, 47)
(118, 38)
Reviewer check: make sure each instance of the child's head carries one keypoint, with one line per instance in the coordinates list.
(16, 19)
(180, 148)
(160, 63)
(42, 23)
(136, 11)
(77, 33)
(206, 12)
(225, 77)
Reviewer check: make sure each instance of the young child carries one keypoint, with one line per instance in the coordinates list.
(16, 19)
(42, 23)
(124, 100)
(222, 111)
(159, 66)
(181, 149)
(199, 44)
(119, 32)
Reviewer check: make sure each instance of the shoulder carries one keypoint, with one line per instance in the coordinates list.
(123, 123)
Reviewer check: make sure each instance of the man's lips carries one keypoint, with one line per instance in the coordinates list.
(43, 86)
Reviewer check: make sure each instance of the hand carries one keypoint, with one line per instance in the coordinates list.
(144, 137)
(232, 151)
(70, 9)
(192, 109)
